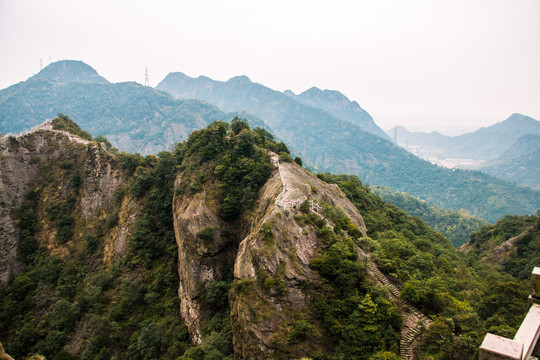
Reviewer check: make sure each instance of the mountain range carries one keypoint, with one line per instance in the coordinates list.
(337, 145)
(487, 143)
(506, 150)
(133, 117)
(338, 105)
(146, 120)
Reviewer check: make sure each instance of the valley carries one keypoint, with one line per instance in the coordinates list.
(505, 150)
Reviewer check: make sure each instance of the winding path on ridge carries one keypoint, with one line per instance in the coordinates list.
(413, 320)
(290, 196)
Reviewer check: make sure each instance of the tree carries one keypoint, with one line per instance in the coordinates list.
(102, 139)
(238, 124)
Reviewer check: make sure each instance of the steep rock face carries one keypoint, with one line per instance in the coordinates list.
(270, 250)
(23, 158)
(205, 252)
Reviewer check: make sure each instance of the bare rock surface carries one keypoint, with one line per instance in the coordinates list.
(20, 159)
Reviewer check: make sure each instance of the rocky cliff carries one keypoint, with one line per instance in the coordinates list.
(272, 271)
(27, 157)
(269, 247)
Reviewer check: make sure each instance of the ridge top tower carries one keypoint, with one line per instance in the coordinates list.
(146, 82)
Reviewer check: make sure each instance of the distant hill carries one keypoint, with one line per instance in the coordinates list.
(338, 105)
(70, 71)
(491, 142)
(333, 144)
(433, 139)
(487, 143)
(133, 117)
(520, 163)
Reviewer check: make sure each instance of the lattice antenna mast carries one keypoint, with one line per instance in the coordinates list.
(146, 82)
(40, 64)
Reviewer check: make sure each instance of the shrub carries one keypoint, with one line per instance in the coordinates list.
(103, 140)
(238, 124)
(301, 330)
(217, 294)
(285, 157)
(112, 220)
(206, 234)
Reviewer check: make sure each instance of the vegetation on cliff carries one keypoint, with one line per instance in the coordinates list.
(101, 276)
(465, 298)
(512, 244)
(76, 299)
(357, 319)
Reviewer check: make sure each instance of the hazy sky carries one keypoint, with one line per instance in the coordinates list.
(429, 65)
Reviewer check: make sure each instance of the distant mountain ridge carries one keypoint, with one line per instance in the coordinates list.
(425, 139)
(133, 117)
(487, 143)
(520, 163)
(338, 105)
(337, 145)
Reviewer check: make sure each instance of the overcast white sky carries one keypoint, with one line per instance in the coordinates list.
(451, 65)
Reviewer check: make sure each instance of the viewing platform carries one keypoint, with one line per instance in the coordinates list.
(524, 345)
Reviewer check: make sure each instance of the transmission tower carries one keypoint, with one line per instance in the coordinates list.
(40, 64)
(146, 82)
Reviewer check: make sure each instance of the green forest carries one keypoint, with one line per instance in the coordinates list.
(455, 225)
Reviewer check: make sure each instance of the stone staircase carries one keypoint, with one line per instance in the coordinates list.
(413, 319)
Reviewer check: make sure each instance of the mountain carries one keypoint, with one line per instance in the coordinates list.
(484, 144)
(420, 139)
(338, 105)
(67, 71)
(133, 117)
(520, 163)
(222, 249)
(491, 142)
(336, 145)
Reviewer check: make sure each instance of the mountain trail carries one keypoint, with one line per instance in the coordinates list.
(290, 196)
(414, 321)
(47, 126)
